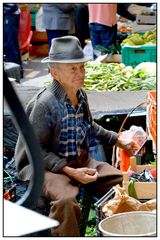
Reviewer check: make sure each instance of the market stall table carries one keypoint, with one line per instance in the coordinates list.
(101, 103)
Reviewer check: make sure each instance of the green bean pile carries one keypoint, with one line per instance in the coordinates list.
(116, 77)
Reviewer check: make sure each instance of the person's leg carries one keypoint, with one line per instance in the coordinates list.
(10, 39)
(81, 23)
(96, 31)
(62, 193)
(109, 35)
(94, 37)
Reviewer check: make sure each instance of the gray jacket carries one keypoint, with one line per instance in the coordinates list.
(44, 112)
(57, 16)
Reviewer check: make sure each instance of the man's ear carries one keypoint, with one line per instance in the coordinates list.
(54, 73)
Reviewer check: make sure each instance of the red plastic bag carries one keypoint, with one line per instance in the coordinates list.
(138, 135)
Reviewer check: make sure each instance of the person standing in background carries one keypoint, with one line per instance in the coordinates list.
(57, 19)
(11, 50)
(81, 23)
(103, 22)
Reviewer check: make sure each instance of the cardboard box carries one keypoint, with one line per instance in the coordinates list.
(139, 28)
(110, 58)
(143, 19)
(144, 190)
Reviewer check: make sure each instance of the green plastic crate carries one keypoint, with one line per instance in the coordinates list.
(133, 55)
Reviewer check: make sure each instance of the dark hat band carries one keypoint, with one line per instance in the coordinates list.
(65, 56)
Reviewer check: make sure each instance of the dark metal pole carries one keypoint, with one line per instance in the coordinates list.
(33, 149)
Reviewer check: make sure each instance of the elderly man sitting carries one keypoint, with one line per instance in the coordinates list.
(65, 129)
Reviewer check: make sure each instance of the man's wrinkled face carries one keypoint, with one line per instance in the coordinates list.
(70, 75)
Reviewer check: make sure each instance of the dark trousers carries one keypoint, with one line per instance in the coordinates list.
(81, 23)
(102, 35)
(62, 192)
(10, 39)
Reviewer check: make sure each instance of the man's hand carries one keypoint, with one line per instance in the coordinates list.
(126, 144)
(83, 175)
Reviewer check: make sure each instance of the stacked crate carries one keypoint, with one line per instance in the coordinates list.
(151, 118)
(134, 55)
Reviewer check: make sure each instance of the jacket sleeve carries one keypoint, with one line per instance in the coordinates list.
(105, 136)
(44, 130)
(122, 10)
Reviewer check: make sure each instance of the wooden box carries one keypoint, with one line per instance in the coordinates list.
(39, 50)
(39, 37)
(39, 44)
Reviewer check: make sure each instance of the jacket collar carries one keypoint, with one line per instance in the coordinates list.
(56, 88)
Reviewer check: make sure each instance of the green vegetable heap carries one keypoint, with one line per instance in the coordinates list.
(148, 38)
(118, 77)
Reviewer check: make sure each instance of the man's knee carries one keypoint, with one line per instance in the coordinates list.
(65, 203)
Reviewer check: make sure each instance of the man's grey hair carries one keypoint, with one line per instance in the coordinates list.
(51, 65)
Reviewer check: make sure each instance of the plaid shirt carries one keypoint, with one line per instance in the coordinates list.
(73, 129)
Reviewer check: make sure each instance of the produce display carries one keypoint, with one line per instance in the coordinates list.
(148, 38)
(118, 77)
(124, 28)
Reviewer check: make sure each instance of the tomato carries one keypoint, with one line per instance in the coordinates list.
(153, 171)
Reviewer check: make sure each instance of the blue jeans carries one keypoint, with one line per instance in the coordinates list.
(11, 50)
(102, 35)
(10, 38)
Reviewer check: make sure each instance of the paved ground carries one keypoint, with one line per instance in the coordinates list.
(33, 68)
(35, 72)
